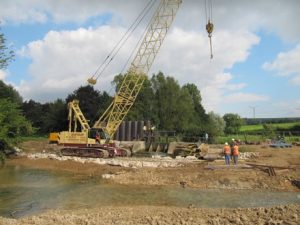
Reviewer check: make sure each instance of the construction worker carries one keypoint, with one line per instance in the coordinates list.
(206, 138)
(97, 138)
(227, 153)
(235, 153)
(232, 143)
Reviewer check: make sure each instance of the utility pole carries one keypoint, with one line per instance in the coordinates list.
(253, 108)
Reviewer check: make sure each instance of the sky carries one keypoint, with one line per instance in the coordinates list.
(255, 71)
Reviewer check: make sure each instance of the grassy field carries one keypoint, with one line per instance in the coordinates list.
(33, 138)
(259, 127)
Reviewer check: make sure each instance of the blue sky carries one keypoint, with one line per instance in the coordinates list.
(256, 50)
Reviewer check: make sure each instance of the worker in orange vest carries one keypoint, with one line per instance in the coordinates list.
(235, 153)
(227, 153)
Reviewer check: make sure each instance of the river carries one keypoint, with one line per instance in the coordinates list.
(25, 191)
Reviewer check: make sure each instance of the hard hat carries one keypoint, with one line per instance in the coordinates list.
(226, 143)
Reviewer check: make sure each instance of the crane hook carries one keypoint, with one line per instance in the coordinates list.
(209, 29)
(92, 81)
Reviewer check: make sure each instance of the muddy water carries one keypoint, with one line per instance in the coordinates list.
(25, 191)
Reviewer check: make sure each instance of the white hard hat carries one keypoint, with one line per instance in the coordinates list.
(226, 143)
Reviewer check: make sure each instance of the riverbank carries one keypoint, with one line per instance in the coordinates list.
(160, 215)
(172, 173)
(192, 172)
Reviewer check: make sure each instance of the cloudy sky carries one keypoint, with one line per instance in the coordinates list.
(256, 47)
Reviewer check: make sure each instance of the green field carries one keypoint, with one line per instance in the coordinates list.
(259, 127)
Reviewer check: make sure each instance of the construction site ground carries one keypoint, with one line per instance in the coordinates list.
(198, 174)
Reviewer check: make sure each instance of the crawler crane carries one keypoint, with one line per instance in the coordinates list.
(84, 143)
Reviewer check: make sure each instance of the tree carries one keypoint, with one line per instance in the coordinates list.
(143, 107)
(91, 102)
(6, 55)
(12, 122)
(174, 105)
(215, 126)
(8, 92)
(268, 130)
(233, 123)
(200, 118)
(55, 116)
(33, 111)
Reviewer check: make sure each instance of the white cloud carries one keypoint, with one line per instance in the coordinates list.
(244, 97)
(236, 87)
(189, 62)
(63, 60)
(295, 80)
(3, 74)
(280, 109)
(286, 64)
(19, 11)
(78, 11)
(230, 15)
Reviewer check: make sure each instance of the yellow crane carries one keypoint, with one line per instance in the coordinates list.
(108, 123)
(140, 66)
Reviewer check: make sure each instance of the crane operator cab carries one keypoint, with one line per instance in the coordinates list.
(99, 135)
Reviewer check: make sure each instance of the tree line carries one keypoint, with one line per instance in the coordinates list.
(168, 105)
(162, 101)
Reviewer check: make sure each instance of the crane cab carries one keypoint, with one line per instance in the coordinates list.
(99, 135)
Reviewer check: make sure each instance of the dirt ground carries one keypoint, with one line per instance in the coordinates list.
(196, 174)
(160, 215)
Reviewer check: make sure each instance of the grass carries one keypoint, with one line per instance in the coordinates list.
(259, 127)
(250, 138)
(32, 138)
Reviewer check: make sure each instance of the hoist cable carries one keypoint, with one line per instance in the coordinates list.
(126, 33)
(209, 25)
(123, 40)
(116, 52)
(205, 7)
(136, 46)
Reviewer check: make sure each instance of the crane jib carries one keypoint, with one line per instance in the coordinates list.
(140, 66)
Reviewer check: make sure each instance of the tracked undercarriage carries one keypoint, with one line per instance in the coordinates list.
(97, 151)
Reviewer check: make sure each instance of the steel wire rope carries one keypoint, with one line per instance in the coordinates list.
(131, 54)
(208, 10)
(124, 39)
(209, 25)
(133, 51)
(118, 43)
(136, 46)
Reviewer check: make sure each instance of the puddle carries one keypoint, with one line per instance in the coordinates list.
(25, 191)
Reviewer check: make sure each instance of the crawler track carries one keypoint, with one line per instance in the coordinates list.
(95, 152)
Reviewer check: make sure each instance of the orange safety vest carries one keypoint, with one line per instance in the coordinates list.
(227, 149)
(235, 150)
